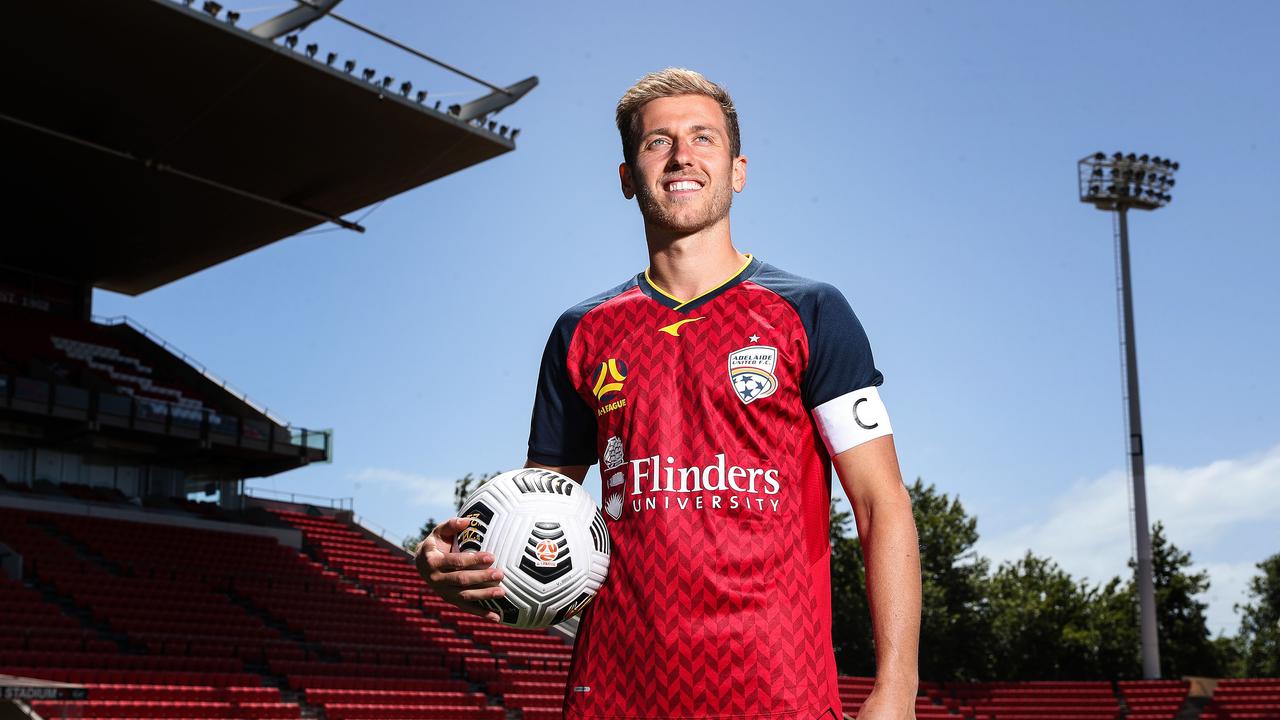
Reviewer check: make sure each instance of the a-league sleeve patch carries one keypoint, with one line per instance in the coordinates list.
(852, 419)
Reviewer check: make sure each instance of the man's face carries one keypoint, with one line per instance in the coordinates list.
(683, 178)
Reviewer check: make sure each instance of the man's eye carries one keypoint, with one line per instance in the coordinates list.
(703, 137)
(655, 141)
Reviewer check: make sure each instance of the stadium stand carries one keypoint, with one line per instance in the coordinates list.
(929, 706)
(163, 620)
(1153, 699)
(1044, 700)
(119, 583)
(1250, 699)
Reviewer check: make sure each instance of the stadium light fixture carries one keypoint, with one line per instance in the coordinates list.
(405, 88)
(233, 17)
(1138, 183)
(291, 41)
(312, 49)
(330, 58)
(386, 81)
(437, 106)
(514, 133)
(212, 8)
(422, 96)
(368, 74)
(349, 66)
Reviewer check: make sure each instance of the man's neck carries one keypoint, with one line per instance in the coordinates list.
(687, 266)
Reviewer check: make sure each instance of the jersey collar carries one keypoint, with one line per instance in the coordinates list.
(662, 297)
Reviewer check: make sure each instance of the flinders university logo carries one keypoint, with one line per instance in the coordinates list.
(751, 372)
(609, 380)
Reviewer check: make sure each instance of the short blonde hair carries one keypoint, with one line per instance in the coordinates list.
(669, 83)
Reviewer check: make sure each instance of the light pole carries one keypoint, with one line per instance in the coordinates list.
(1118, 183)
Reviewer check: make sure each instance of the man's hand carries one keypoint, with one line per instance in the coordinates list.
(883, 707)
(461, 578)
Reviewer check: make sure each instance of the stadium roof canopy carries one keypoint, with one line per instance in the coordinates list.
(146, 141)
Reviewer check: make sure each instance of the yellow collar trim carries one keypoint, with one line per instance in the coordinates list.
(669, 296)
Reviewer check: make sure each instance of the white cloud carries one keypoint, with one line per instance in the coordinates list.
(1223, 513)
(416, 490)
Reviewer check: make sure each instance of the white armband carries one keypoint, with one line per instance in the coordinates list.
(852, 419)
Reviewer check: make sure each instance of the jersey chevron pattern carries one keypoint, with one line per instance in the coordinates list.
(716, 487)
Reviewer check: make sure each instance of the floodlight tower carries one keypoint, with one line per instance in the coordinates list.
(1118, 183)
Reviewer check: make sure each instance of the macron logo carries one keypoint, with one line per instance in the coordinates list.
(674, 328)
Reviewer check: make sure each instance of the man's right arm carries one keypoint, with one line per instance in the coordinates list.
(562, 428)
(577, 473)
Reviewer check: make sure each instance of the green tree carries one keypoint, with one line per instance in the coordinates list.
(1260, 622)
(410, 543)
(955, 624)
(1113, 620)
(850, 613)
(1185, 644)
(1040, 623)
(465, 485)
(462, 487)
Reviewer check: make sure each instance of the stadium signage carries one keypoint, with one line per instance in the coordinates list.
(31, 692)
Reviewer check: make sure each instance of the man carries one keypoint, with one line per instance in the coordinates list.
(715, 390)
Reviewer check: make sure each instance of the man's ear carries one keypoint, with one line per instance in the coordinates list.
(739, 173)
(624, 175)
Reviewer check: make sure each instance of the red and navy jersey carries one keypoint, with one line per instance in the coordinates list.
(714, 421)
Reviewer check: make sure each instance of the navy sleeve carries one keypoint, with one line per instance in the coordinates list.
(840, 358)
(563, 429)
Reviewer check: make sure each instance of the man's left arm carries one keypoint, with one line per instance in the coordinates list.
(890, 548)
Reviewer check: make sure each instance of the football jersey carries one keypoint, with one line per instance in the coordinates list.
(714, 422)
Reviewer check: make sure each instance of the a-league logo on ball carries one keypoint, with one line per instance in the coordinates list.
(751, 372)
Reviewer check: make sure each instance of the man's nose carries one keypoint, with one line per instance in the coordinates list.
(680, 156)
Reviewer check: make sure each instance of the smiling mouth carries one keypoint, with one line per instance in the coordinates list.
(682, 186)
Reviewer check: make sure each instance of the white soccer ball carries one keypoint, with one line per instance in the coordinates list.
(547, 536)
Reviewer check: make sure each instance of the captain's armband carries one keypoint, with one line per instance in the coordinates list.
(852, 419)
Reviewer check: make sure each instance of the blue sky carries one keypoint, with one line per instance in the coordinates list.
(919, 156)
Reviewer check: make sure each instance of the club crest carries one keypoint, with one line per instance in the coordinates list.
(751, 372)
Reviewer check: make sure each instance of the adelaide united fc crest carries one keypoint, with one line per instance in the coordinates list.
(751, 372)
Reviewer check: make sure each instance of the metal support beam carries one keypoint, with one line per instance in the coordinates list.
(299, 17)
(1145, 570)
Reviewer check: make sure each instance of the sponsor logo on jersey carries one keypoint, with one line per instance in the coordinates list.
(674, 328)
(610, 377)
(663, 483)
(751, 372)
(613, 505)
(613, 456)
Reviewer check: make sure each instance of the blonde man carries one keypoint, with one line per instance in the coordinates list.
(715, 390)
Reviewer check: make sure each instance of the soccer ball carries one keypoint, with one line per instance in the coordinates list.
(549, 539)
